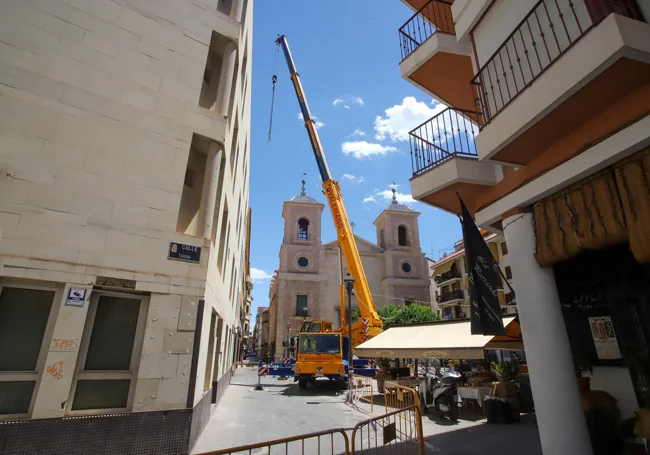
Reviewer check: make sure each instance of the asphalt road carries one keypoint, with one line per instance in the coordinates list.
(245, 416)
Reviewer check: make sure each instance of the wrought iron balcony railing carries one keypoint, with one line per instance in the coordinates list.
(546, 33)
(451, 295)
(447, 134)
(447, 276)
(433, 17)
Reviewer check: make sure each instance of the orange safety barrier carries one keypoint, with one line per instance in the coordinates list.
(398, 396)
(332, 442)
(396, 433)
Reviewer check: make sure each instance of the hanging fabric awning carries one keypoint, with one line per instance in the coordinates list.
(604, 209)
(443, 268)
(442, 340)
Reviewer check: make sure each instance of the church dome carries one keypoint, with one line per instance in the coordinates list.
(303, 198)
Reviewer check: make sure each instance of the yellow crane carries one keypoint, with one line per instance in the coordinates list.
(320, 350)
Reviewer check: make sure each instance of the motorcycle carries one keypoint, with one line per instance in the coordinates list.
(440, 392)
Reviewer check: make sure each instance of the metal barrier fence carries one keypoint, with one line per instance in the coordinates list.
(363, 390)
(398, 396)
(332, 442)
(398, 432)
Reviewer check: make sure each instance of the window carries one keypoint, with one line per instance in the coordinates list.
(301, 305)
(382, 240)
(303, 229)
(509, 273)
(406, 267)
(320, 344)
(109, 352)
(504, 248)
(408, 302)
(402, 239)
(24, 316)
(303, 262)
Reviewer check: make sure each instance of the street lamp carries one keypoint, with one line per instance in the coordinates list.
(288, 338)
(349, 286)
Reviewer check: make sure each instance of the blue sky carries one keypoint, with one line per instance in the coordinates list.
(347, 53)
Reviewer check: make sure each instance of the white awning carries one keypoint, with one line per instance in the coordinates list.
(443, 340)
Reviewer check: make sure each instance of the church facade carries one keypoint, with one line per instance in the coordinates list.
(306, 283)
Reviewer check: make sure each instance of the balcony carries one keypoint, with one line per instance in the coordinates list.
(557, 74)
(450, 276)
(428, 43)
(450, 297)
(444, 160)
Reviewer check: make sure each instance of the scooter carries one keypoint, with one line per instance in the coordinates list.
(440, 392)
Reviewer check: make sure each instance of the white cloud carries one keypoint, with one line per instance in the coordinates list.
(347, 102)
(363, 149)
(387, 196)
(357, 132)
(402, 118)
(402, 198)
(352, 178)
(318, 123)
(258, 275)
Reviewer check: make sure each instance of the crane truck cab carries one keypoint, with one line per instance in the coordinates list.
(320, 355)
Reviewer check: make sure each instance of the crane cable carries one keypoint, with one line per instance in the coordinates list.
(274, 79)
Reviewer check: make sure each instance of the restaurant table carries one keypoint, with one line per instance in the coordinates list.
(474, 393)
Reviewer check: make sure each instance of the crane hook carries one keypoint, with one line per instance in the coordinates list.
(274, 79)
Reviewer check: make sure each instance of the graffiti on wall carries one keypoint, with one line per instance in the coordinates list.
(56, 370)
(65, 344)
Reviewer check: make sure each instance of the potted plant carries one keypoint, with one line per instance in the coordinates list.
(584, 370)
(500, 370)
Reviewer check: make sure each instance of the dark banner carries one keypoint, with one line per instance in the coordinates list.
(484, 280)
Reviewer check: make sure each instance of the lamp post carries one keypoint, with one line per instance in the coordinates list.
(288, 338)
(349, 287)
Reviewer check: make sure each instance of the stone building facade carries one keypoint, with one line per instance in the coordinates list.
(306, 284)
(124, 169)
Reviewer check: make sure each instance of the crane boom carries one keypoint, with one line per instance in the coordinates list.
(344, 233)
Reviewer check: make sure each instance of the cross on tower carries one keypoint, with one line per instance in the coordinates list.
(303, 192)
(394, 195)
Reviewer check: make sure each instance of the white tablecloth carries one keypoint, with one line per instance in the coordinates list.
(474, 393)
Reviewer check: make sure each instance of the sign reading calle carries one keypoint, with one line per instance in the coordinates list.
(183, 252)
(484, 280)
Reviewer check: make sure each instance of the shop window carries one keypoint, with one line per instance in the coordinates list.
(24, 316)
(210, 357)
(504, 248)
(303, 229)
(110, 350)
(301, 305)
(509, 273)
(402, 236)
